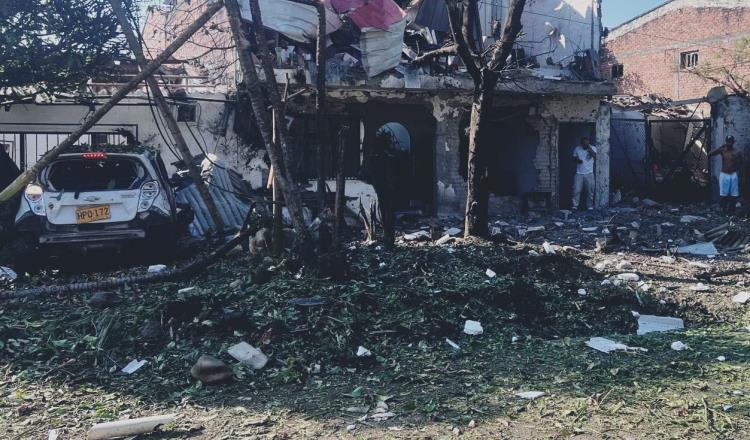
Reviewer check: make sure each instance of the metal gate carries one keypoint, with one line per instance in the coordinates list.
(666, 158)
(26, 146)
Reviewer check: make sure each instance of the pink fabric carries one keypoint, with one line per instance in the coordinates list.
(379, 14)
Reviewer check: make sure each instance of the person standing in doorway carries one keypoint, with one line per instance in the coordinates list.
(729, 182)
(584, 156)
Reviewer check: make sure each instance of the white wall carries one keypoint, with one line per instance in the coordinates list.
(134, 111)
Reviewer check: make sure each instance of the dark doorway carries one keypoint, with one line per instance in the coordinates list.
(412, 130)
(513, 143)
(569, 138)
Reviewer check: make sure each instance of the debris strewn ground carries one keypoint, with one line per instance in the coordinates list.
(528, 374)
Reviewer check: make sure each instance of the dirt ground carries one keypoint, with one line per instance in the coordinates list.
(60, 359)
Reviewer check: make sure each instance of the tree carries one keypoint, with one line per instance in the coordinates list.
(272, 127)
(485, 68)
(730, 68)
(53, 46)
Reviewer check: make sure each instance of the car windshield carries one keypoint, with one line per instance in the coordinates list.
(95, 174)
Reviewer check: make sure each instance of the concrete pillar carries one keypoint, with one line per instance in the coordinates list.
(601, 198)
(450, 186)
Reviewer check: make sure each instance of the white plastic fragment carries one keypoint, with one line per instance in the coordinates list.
(591, 229)
(122, 428)
(133, 366)
(721, 358)
(53, 434)
(582, 292)
(607, 345)
(156, 268)
(350, 428)
(678, 346)
(7, 274)
(741, 298)
(187, 290)
(530, 395)
(490, 273)
(548, 248)
(248, 355)
(651, 323)
(363, 352)
(473, 328)
(453, 345)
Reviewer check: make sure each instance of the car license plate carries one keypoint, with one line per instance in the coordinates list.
(92, 214)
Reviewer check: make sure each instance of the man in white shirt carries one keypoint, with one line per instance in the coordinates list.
(584, 156)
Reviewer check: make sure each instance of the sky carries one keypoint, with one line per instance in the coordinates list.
(615, 12)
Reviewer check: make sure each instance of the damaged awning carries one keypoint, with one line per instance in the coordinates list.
(379, 14)
(296, 21)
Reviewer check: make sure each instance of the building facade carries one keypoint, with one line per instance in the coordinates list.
(672, 49)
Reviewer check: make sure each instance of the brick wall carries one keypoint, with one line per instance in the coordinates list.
(649, 49)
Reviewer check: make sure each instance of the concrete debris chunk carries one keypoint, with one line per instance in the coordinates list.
(629, 277)
(721, 358)
(590, 229)
(548, 248)
(535, 229)
(678, 346)
(607, 345)
(445, 239)
(248, 355)
(490, 273)
(530, 395)
(700, 287)
(156, 268)
(624, 265)
(417, 236)
(651, 323)
(363, 352)
(741, 298)
(473, 328)
(211, 370)
(453, 231)
(700, 249)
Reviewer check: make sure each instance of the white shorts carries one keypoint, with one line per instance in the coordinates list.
(729, 185)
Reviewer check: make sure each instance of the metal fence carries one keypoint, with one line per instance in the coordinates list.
(26, 146)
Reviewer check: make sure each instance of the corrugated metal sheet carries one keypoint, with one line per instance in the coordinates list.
(224, 191)
(381, 50)
(296, 21)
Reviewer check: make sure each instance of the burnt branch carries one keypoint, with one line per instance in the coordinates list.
(437, 53)
(511, 31)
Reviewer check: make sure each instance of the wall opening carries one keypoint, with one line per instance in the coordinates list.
(512, 150)
(569, 138)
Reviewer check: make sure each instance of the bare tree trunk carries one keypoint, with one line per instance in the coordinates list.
(338, 226)
(277, 153)
(485, 75)
(161, 102)
(22, 180)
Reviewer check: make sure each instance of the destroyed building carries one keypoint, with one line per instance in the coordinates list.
(661, 50)
(551, 98)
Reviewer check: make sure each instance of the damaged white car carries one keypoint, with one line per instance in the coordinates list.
(101, 199)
